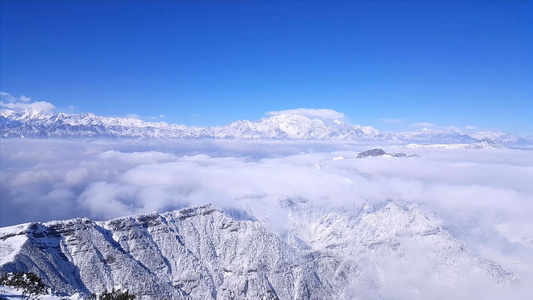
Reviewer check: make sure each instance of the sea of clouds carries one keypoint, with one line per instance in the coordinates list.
(484, 197)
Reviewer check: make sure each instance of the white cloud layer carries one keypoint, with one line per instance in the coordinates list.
(485, 198)
(23, 103)
(310, 112)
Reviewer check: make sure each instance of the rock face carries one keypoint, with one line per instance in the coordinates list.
(373, 152)
(204, 253)
(197, 253)
(381, 152)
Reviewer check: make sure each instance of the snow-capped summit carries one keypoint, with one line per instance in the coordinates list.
(493, 135)
(6, 113)
(487, 143)
(296, 127)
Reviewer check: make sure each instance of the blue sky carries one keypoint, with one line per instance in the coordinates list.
(385, 64)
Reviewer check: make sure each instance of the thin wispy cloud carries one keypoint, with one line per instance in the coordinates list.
(133, 116)
(159, 117)
(150, 118)
(423, 124)
(24, 98)
(310, 112)
(390, 120)
(8, 97)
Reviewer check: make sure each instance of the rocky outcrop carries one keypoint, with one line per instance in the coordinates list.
(381, 152)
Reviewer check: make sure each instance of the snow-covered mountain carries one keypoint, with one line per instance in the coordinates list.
(502, 137)
(207, 253)
(36, 125)
(297, 127)
(32, 124)
(450, 136)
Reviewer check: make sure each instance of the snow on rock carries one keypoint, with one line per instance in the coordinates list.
(204, 253)
(11, 240)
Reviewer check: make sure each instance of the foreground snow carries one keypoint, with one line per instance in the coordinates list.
(9, 293)
(207, 253)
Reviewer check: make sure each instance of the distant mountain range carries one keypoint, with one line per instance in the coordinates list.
(32, 124)
(485, 143)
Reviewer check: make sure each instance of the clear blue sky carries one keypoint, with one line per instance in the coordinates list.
(212, 62)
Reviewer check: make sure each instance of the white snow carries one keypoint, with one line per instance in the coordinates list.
(9, 293)
(11, 241)
(202, 252)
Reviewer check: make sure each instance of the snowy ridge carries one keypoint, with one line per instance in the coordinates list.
(10, 248)
(204, 253)
(483, 144)
(32, 124)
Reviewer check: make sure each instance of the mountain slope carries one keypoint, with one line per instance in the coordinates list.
(204, 253)
(198, 253)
